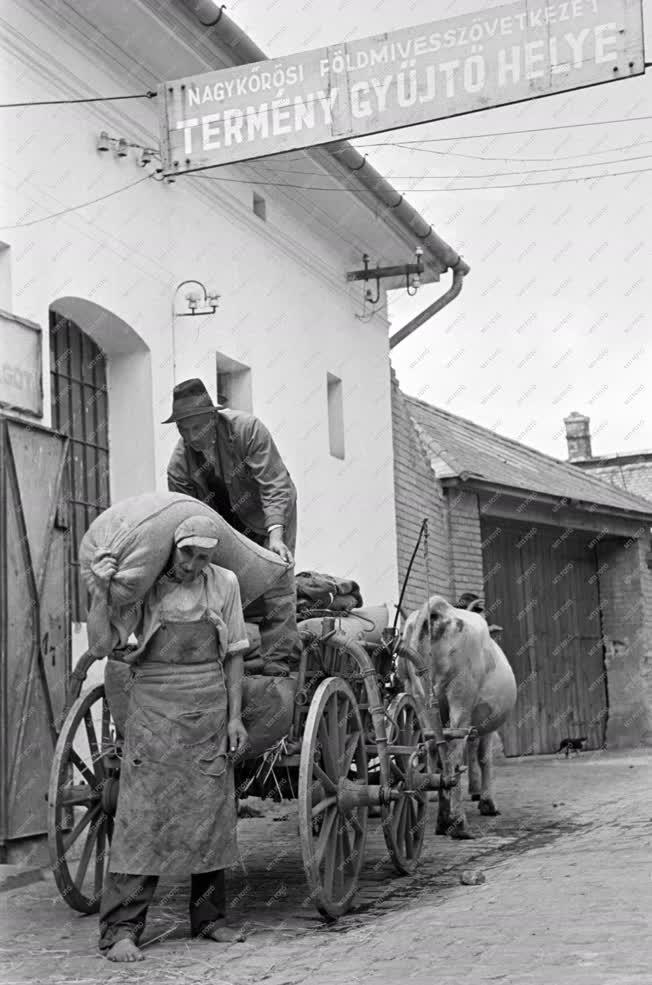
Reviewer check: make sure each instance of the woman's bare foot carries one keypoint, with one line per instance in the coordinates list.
(125, 950)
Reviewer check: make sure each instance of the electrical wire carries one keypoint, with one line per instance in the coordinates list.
(519, 160)
(410, 191)
(489, 174)
(511, 133)
(76, 208)
(69, 102)
(281, 184)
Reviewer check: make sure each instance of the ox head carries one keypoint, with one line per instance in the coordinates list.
(435, 622)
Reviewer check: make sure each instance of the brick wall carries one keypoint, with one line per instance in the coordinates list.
(466, 540)
(626, 601)
(418, 494)
(635, 477)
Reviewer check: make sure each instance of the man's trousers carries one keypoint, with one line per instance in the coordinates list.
(126, 899)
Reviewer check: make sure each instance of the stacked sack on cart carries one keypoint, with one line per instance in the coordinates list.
(317, 592)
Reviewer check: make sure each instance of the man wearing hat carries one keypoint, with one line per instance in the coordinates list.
(228, 460)
(176, 812)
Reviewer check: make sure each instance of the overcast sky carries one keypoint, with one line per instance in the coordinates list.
(555, 314)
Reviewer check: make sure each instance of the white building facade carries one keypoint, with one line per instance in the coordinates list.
(100, 276)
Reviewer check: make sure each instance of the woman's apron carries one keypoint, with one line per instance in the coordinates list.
(176, 810)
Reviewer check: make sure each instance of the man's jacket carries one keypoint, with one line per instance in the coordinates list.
(260, 489)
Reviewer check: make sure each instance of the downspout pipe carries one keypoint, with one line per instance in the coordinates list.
(460, 270)
(339, 158)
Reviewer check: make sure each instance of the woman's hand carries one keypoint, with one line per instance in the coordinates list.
(103, 569)
(237, 735)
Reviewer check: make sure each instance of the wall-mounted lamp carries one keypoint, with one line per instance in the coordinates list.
(103, 142)
(200, 302)
(411, 272)
(146, 156)
(122, 148)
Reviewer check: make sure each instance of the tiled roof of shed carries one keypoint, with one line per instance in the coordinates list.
(460, 448)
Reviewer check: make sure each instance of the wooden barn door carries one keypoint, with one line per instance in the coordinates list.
(35, 656)
(542, 587)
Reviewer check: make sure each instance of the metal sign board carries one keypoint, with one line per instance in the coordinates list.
(21, 373)
(446, 68)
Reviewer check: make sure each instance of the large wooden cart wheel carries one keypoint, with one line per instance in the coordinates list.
(82, 799)
(404, 819)
(333, 768)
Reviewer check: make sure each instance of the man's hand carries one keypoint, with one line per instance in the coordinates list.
(103, 569)
(237, 735)
(278, 546)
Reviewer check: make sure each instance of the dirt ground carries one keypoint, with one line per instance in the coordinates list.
(567, 899)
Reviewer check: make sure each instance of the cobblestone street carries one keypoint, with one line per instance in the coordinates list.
(567, 899)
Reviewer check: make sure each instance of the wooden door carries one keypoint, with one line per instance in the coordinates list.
(35, 655)
(542, 587)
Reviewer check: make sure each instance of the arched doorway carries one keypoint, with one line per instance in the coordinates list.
(101, 397)
(80, 409)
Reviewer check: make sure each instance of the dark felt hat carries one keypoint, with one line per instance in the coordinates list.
(189, 399)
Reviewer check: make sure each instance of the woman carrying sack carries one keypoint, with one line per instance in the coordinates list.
(176, 811)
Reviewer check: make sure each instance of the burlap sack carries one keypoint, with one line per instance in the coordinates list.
(139, 532)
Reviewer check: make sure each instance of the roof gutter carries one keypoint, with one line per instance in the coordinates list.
(460, 270)
(341, 159)
(561, 502)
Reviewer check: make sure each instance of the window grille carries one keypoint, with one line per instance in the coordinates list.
(80, 411)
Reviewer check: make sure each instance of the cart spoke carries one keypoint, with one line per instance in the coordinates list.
(327, 754)
(323, 805)
(340, 861)
(80, 826)
(355, 821)
(404, 825)
(343, 719)
(324, 835)
(107, 738)
(324, 778)
(349, 846)
(330, 854)
(351, 746)
(85, 771)
(410, 827)
(413, 813)
(85, 858)
(96, 756)
(398, 819)
(334, 731)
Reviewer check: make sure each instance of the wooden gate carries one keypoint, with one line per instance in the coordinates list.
(542, 588)
(35, 640)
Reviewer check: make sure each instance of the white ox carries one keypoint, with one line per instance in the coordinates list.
(474, 686)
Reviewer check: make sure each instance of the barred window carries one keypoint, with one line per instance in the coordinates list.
(80, 411)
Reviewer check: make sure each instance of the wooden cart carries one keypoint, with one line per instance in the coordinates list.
(356, 743)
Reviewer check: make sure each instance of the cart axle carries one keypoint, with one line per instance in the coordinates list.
(352, 795)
